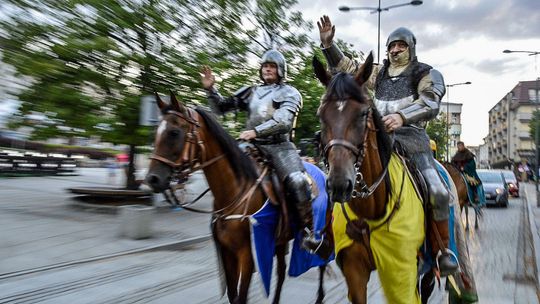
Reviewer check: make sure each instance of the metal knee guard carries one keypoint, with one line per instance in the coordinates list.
(297, 187)
(438, 194)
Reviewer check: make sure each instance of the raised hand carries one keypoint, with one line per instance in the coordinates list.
(326, 31)
(207, 78)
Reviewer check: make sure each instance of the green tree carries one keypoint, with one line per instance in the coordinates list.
(90, 62)
(436, 130)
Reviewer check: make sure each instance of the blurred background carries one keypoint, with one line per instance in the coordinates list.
(74, 73)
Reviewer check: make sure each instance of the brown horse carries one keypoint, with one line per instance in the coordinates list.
(188, 140)
(358, 153)
(463, 195)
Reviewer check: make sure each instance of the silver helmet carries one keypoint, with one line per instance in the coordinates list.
(403, 34)
(276, 57)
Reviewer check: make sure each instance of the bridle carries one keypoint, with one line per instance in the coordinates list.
(192, 158)
(359, 152)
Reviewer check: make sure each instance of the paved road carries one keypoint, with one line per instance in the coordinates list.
(44, 230)
(498, 255)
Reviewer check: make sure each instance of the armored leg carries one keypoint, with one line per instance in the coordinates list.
(439, 199)
(299, 195)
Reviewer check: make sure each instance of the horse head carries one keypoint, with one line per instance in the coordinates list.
(344, 113)
(175, 144)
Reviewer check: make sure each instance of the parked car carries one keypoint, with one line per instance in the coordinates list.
(512, 182)
(495, 187)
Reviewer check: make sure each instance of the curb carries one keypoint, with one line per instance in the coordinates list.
(535, 240)
(167, 246)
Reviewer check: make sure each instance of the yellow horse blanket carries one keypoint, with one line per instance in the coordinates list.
(394, 244)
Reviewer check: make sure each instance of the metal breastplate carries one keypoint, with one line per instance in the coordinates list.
(394, 93)
(261, 105)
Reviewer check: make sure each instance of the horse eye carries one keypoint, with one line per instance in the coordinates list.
(174, 133)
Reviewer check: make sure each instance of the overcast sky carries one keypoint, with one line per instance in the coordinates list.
(462, 39)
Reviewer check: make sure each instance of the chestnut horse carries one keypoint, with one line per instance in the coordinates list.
(189, 139)
(362, 166)
(463, 194)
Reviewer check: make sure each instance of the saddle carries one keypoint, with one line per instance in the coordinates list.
(274, 190)
(418, 180)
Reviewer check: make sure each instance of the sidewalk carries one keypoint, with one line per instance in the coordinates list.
(43, 228)
(528, 192)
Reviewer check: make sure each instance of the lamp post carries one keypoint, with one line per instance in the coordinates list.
(448, 115)
(537, 128)
(378, 10)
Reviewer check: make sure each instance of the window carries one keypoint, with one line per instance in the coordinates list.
(533, 94)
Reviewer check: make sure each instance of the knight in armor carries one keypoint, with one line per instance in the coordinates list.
(273, 107)
(407, 94)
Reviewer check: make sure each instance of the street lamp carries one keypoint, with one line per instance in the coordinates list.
(537, 129)
(448, 115)
(378, 10)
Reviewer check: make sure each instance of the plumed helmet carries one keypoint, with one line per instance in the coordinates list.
(276, 57)
(403, 34)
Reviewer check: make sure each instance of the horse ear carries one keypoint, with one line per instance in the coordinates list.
(364, 72)
(159, 102)
(177, 106)
(320, 71)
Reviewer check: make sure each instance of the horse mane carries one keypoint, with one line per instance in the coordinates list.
(384, 142)
(244, 166)
(343, 86)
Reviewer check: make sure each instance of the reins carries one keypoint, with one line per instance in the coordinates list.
(192, 160)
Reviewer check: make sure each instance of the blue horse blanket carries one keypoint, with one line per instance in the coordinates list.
(263, 228)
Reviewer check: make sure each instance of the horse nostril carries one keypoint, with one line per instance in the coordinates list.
(153, 180)
(349, 186)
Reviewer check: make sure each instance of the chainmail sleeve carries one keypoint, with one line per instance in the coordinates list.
(288, 103)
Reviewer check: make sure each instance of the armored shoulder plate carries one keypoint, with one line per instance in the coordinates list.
(438, 83)
(243, 92)
(288, 93)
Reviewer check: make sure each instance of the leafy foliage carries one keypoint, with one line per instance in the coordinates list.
(436, 130)
(85, 64)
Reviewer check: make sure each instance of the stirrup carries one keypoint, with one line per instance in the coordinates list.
(310, 236)
(439, 254)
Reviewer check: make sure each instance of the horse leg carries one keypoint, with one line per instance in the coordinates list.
(320, 292)
(356, 269)
(245, 269)
(230, 265)
(280, 256)
(427, 284)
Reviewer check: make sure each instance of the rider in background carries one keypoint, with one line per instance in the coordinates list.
(273, 107)
(407, 94)
(464, 161)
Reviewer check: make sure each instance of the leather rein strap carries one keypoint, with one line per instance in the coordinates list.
(192, 160)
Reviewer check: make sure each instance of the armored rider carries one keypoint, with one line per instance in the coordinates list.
(273, 107)
(407, 93)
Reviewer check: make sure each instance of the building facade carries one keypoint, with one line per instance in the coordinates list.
(509, 140)
(454, 124)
